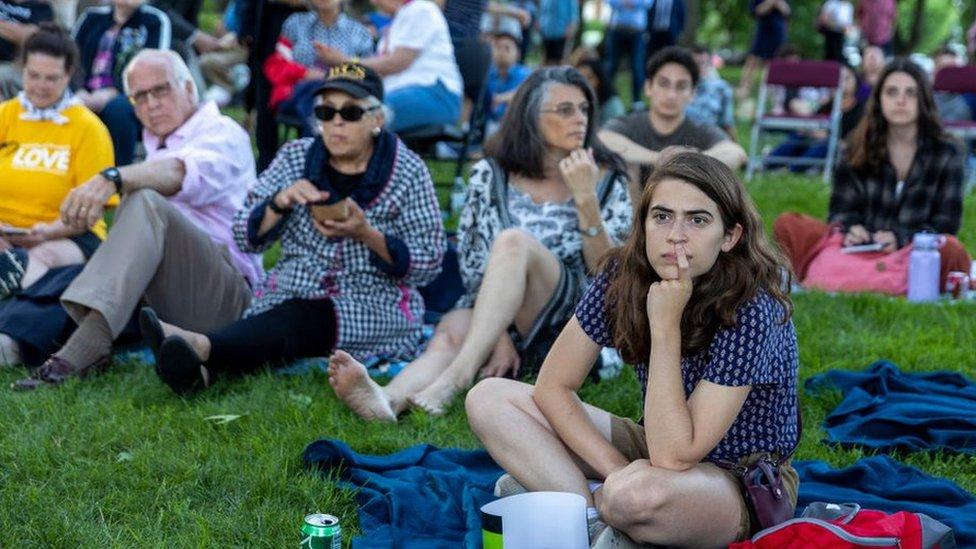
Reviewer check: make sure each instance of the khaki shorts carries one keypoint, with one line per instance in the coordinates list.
(628, 437)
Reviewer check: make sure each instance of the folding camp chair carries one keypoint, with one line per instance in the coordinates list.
(957, 80)
(960, 80)
(795, 74)
(473, 59)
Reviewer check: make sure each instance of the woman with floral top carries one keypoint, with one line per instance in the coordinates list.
(695, 299)
(342, 281)
(547, 203)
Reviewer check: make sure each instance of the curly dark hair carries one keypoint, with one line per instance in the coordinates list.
(737, 276)
(605, 90)
(50, 40)
(673, 54)
(868, 143)
(518, 145)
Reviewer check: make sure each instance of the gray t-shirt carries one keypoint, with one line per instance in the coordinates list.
(637, 128)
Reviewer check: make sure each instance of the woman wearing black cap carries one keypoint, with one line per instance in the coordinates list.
(360, 231)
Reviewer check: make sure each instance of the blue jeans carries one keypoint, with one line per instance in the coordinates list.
(622, 41)
(421, 106)
(797, 147)
(120, 119)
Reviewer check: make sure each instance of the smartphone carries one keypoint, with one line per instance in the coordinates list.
(862, 248)
(338, 211)
(13, 231)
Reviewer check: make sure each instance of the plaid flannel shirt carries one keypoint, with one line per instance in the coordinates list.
(930, 199)
(378, 314)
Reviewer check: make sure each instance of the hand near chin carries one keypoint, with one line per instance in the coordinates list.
(671, 151)
(579, 171)
(666, 299)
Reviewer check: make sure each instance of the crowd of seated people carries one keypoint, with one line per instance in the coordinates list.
(542, 208)
(689, 108)
(297, 67)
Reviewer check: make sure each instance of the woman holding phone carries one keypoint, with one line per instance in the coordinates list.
(360, 232)
(694, 298)
(49, 144)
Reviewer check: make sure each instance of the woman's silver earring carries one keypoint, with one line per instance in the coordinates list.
(376, 131)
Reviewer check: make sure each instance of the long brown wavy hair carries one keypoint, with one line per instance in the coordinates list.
(868, 143)
(737, 276)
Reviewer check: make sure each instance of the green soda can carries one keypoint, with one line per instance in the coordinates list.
(321, 531)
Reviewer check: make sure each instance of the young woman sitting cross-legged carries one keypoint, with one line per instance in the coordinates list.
(694, 299)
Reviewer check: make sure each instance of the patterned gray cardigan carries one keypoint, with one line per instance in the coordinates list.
(378, 314)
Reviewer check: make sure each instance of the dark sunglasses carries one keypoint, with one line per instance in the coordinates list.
(349, 113)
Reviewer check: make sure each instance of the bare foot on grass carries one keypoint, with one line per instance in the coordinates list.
(353, 386)
(436, 398)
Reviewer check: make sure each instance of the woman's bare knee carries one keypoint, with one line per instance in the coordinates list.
(512, 242)
(445, 342)
(490, 392)
(450, 332)
(488, 398)
(634, 496)
(56, 253)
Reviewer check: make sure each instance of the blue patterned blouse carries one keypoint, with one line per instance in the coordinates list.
(758, 351)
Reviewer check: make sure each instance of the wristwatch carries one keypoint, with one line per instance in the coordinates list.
(592, 230)
(275, 208)
(113, 175)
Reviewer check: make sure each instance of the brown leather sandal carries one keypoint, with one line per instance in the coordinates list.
(56, 371)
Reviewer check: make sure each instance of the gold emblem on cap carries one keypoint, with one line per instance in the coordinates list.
(347, 71)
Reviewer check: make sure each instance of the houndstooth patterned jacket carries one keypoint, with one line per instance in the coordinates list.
(378, 314)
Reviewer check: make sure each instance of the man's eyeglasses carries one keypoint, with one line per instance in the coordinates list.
(349, 113)
(158, 93)
(567, 110)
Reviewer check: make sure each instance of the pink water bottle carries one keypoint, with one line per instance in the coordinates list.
(923, 267)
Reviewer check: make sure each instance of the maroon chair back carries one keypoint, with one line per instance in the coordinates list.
(956, 80)
(815, 74)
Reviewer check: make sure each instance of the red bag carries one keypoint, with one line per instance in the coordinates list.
(835, 271)
(847, 526)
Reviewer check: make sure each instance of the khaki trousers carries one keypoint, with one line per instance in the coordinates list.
(156, 253)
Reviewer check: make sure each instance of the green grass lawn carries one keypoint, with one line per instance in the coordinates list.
(119, 461)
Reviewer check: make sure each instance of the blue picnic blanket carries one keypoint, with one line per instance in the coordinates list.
(425, 497)
(882, 483)
(422, 497)
(886, 409)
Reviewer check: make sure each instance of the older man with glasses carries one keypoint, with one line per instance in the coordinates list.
(172, 240)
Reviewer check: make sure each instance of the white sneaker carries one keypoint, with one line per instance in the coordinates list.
(611, 538)
(9, 351)
(506, 485)
(218, 95)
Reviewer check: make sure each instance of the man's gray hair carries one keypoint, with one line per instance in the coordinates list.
(172, 59)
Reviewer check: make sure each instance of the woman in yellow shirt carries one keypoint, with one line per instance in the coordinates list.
(49, 144)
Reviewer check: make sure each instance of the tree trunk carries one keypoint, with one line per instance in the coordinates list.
(915, 35)
(692, 22)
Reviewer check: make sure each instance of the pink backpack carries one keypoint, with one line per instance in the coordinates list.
(847, 526)
(835, 271)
